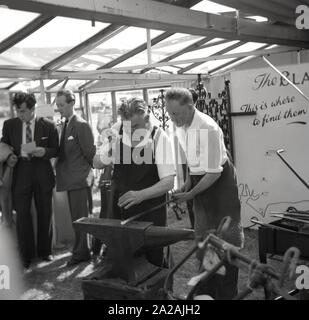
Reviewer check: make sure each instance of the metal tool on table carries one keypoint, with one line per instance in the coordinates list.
(291, 214)
(268, 225)
(279, 153)
(282, 216)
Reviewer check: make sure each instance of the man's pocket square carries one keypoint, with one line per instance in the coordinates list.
(70, 138)
(44, 138)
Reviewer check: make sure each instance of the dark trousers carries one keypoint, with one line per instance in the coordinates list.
(30, 183)
(6, 206)
(79, 207)
(6, 195)
(210, 207)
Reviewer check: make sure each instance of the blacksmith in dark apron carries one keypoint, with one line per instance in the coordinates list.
(139, 181)
(211, 182)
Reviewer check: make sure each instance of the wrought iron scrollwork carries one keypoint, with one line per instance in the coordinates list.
(158, 109)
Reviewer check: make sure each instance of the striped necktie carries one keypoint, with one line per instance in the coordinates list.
(28, 132)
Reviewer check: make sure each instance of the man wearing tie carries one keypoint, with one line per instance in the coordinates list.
(73, 168)
(34, 141)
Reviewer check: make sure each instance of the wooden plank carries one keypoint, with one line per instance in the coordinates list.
(130, 54)
(266, 8)
(195, 45)
(196, 64)
(87, 45)
(214, 70)
(21, 34)
(101, 73)
(161, 16)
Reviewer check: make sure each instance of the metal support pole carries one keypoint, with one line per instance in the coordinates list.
(149, 59)
(114, 106)
(88, 112)
(81, 104)
(230, 122)
(42, 91)
(48, 97)
(298, 57)
(145, 96)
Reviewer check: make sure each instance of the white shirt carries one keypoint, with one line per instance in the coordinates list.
(163, 150)
(32, 126)
(203, 144)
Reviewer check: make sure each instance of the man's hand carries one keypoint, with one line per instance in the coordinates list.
(38, 152)
(130, 199)
(182, 196)
(12, 160)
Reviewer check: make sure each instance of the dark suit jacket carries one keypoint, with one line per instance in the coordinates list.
(45, 135)
(74, 168)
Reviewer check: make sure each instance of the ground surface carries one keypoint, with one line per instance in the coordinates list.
(53, 280)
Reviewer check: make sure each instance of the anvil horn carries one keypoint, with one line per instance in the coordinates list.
(163, 236)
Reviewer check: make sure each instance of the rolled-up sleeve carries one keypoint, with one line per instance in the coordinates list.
(211, 152)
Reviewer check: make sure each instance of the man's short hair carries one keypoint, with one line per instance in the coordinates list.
(131, 107)
(182, 95)
(24, 97)
(69, 95)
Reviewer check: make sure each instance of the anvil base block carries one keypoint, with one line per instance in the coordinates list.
(117, 289)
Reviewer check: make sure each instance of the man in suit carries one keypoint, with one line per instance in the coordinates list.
(74, 167)
(33, 175)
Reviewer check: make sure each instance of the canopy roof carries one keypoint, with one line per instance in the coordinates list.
(81, 42)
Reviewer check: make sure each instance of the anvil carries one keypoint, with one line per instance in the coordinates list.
(126, 242)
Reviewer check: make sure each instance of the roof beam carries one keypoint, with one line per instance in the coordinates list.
(11, 85)
(31, 74)
(87, 45)
(54, 84)
(195, 45)
(100, 74)
(34, 74)
(211, 44)
(21, 34)
(157, 15)
(135, 51)
(221, 52)
(181, 3)
(266, 8)
(131, 53)
(212, 71)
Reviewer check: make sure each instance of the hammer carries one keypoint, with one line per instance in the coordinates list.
(278, 152)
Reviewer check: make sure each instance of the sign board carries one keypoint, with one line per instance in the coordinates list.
(266, 184)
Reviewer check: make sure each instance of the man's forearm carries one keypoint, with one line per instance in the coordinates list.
(158, 189)
(207, 181)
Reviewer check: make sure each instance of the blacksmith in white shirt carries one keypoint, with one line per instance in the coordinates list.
(211, 180)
